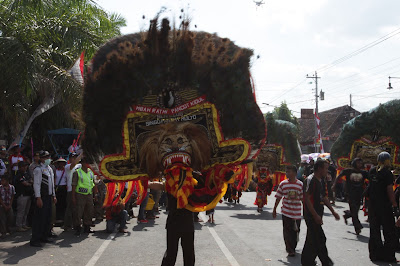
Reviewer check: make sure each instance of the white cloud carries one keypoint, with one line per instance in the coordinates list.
(295, 38)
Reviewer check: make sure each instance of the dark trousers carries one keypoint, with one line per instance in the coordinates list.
(118, 219)
(291, 229)
(61, 206)
(330, 192)
(354, 205)
(339, 190)
(187, 243)
(377, 250)
(6, 220)
(315, 245)
(41, 221)
(69, 211)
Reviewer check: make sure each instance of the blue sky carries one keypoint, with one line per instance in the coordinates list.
(295, 38)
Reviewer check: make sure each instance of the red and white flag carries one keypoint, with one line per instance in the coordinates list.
(76, 71)
(317, 121)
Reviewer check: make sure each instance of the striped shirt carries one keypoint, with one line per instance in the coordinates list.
(292, 194)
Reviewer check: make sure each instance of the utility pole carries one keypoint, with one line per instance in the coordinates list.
(316, 104)
(351, 102)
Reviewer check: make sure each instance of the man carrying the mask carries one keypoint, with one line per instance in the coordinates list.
(43, 186)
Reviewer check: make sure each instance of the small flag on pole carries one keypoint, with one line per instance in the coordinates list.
(319, 140)
(76, 71)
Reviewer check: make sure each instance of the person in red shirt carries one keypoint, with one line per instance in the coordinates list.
(291, 190)
(14, 158)
(116, 214)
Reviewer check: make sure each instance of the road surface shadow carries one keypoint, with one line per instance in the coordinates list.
(16, 254)
(360, 238)
(198, 226)
(16, 238)
(69, 238)
(256, 216)
(383, 263)
(296, 260)
(142, 227)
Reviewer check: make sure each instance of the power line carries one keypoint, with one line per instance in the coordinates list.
(372, 79)
(289, 90)
(331, 84)
(360, 50)
(374, 75)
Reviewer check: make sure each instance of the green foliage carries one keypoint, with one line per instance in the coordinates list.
(384, 119)
(39, 40)
(286, 134)
(283, 113)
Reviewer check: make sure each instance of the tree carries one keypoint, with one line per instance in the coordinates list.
(39, 40)
(283, 113)
(284, 133)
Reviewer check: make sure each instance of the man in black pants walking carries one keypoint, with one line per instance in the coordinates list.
(315, 198)
(43, 186)
(355, 178)
(180, 225)
(380, 211)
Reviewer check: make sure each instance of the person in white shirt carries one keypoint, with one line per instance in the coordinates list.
(69, 170)
(3, 160)
(61, 188)
(43, 186)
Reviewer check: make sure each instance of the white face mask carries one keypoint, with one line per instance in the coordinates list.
(47, 162)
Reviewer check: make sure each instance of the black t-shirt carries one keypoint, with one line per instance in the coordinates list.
(315, 188)
(309, 170)
(180, 220)
(377, 191)
(331, 173)
(20, 188)
(354, 182)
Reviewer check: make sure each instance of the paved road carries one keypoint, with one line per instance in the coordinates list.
(240, 236)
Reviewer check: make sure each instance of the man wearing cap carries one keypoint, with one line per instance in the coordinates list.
(43, 186)
(61, 188)
(24, 193)
(380, 211)
(69, 170)
(82, 197)
(3, 161)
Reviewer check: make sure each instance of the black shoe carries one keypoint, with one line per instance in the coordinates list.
(88, 230)
(35, 244)
(78, 231)
(52, 235)
(46, 241)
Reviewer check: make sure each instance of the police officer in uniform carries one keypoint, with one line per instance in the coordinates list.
(381, 204)
(83, 187)
(43, 186)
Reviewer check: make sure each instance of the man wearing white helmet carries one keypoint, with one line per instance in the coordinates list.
(380, 211)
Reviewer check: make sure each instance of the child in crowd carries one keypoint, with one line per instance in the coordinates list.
(7, 193)
(210, 214)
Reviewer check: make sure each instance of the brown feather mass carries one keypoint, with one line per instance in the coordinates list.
(131, 67)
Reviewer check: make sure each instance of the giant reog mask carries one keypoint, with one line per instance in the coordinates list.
(183, 101)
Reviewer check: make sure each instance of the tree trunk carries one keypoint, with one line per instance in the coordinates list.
(47, 104)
